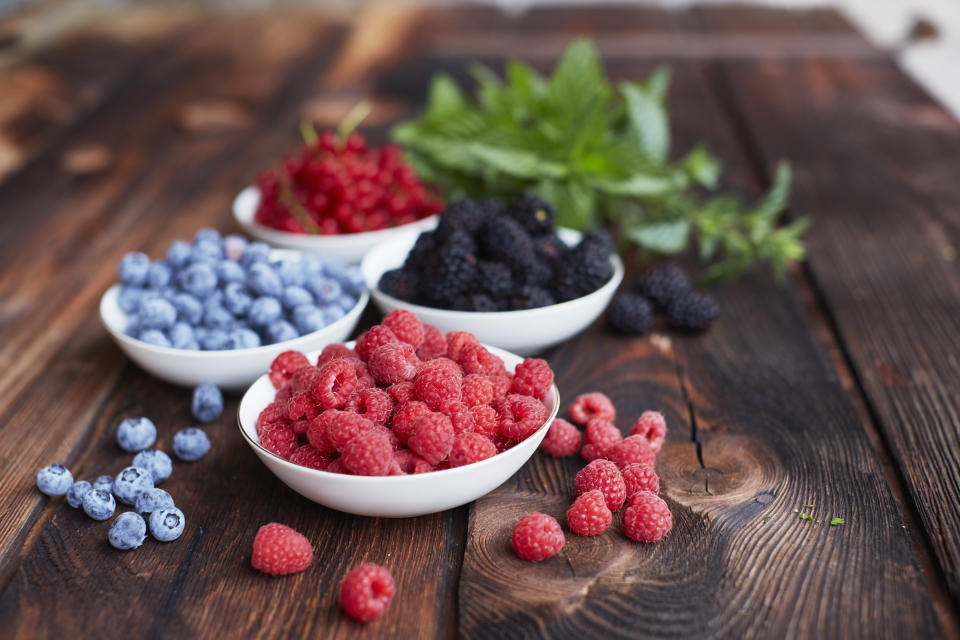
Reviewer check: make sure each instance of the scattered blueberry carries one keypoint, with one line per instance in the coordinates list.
(104, 483)
(99, 504)
(136, 434)
(207, 402)
(76, 492)
(128, 531)
(190, 444)
(153, 500)
(167, 524)
(54, 480)
(134, 268)
(156, 462)
(131, 482)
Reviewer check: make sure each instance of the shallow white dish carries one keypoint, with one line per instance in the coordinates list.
(391, 496)
(349, 247)
(231, 370)
(525, 332)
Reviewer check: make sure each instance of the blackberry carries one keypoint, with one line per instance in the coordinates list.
(600, 240)
(630, 313)
(422, 250)
(504, 240)
(585, 270)
(530, 297)
(476, 302)
(663, 284)
(494, 279)
(463, 215)
(550, 249)
(400, 283)
(692, 311)
(535, 272)
(449, 275)
(534, 214)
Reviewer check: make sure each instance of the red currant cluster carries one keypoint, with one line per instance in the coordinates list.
(336, 186)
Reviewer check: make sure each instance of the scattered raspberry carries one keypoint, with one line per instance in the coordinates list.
(486, 420)
(591, 452)
(366, 592)
(592, 405)
(406, 326)
(344, 427)
(335, 384)
(640, 477)
(279, 439)
(652, 426)
(279, 550)
(474, 358)
(469, 448)
(334, 351)
(374, 404)
(434, 343)
(647, 518)
(589, 515)
(436, 386)
(317, 430)
(460, 416)
(301, 407)
(604, 476)
(537, 537)
(521, 416)
(307, 456)
(456, 341)
(432, 437)
(563, 439)
(285, 365)
(634, 449)
(377, 336)
(405, 418)
(603, 435)
(533, 377)
(368, 454)
(401, 392)
(393, 362)
(476, 389)
(501, 385)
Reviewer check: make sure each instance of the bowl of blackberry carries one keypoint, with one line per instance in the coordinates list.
(220, 309)
(503, 271)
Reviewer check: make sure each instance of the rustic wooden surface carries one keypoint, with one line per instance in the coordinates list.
(838, 388)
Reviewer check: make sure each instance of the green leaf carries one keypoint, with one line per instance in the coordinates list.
(574, 202)
(444, 97)
(835, 521)
(636, 186)
(659, 82)
(489, 87)
(775, 201)
(661, 237)
(648, 120)
(576, 80)
(521, 164)
(702, 167)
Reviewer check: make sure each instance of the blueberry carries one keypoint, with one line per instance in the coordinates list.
(155, 337)
(134, 268)
(346, 302)
(216, 317)
(243, 338)
(206, 253)
(264, 281)
(133, 328)
(207, 402)
(99, 504)
(156, 313)
(207, 235)
(325, 290)
(289, 271)
(156, 462)
(159, 276)
(128, 531)
(182, 336)
(307, 319)
(331, 314)
(129, 299)
(153, 500)
(348, 275)
(230, 271)
(76, 492)
(136, 434)
(199, 280)
(104, 483)
(236, 300)
(311, 265)
(189, 309)
(294, 296)
(130, 483)
(280, 331)
(264, 311)
(213, 339)
(190, 444)
(178, 254)
(254, 253)
(167, 524)
(54, 480)
(234, 246)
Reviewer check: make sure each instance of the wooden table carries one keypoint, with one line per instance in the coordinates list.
(838, 388)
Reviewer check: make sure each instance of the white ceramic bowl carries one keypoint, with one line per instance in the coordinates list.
(525, 332)
(349, 247)
(231, 370)
(391, 496)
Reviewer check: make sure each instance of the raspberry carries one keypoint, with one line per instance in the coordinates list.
(279, 550)
(647, 518)
(603, 435)
(388, 433)
(317, 430)
(405, 418)
(334, 351)
(304, 378)
(432, 437)
(308, 456)
(374, 404)
(537, 537)
(590, 452)
(640, 477)
(405, 326)
(271, 413)
(652, 426)
(442, 362)
(532, 377)
(460, 416)
(633, 449)
(283, 397)
(589, 515)
(521, 416)
(335, 466)
(476, 389)
(502, 442)
(474, 358)
(344, 427)
(368, 342)
(604, 476)
(469, 448)
(501, 385)
(486, 420)
(393, 362)
(592, 405)
(630, 314)
(285, 365)
(335, 384)
(434, 343)
(436, 386)
(368, 454)
(563, 439)
(663, 284)
(301, 407)
(366, 592)
(456, 341)
(279, 439)
(364, 378)
(408, 461)
(401, 392)
(692, 311)
(300, 427)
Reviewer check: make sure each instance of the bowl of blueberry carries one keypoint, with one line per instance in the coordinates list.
(504, 272)
(220, 309)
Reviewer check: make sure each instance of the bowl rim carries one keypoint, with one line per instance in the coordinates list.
(246, 220)
(110, 295)
(345, 477)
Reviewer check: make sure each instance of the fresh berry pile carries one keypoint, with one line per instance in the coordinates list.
(406, 399)
(223, 293)
(487, 256)
(666, 289)
(343, 186)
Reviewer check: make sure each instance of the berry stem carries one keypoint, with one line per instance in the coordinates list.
(353, 119)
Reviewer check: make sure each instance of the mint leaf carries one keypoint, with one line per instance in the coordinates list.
(648, 120)
(775, 201)
(661, 237)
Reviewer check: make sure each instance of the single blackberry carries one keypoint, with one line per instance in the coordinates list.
(476, 302)
(492, 207)
(550, 249)
(598, 239)
(692, 311)
(460, 241)
(422, 250)
(663, 284)
(494, 279)
(529, 297)
(534, 272)
(503, 239)
(630, 313)
(534, 214)
(463, 215)
(400, 283)
(585, 270)
(449, 275)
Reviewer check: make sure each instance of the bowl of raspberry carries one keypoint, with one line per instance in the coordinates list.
(380, 427)
(339, 197)
(502, 271)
